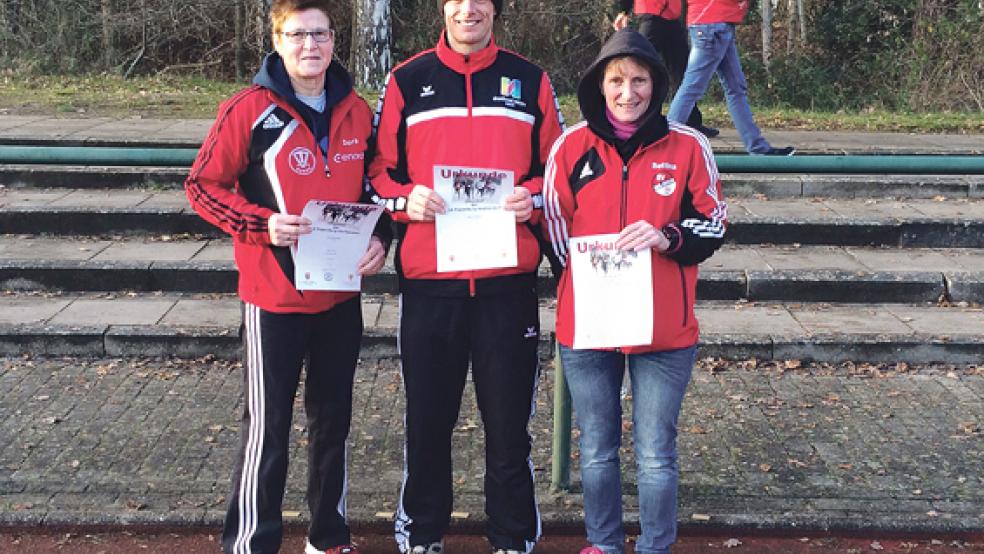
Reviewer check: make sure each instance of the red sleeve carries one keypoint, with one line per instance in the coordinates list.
(558, 201)
(550, 130)
(211, 185)
(390, 156)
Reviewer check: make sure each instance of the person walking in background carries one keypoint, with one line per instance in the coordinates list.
(299, 133)
(713, 49)
(469, 104)
(659, 21)
(626, 170)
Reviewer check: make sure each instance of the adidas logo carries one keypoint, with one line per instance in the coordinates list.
(586, 172)
(272, 122)
(426, 90)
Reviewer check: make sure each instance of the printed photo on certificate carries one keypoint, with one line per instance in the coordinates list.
(475, 232)
(328, 257)
(613, 293)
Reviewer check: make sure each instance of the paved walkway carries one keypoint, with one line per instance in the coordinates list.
(762, 445)
(190, 132)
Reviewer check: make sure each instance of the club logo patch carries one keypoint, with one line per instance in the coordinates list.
(663, 184)
(301, 161)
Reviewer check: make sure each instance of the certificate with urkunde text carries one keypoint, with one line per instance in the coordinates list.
(475, 232)
(613, 293)
(328, 257)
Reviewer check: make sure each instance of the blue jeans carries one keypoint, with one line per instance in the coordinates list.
(659, 381)
(713, 50)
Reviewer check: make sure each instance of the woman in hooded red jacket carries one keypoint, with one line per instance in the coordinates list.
(626, 170)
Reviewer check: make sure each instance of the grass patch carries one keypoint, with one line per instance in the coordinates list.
(193, 97)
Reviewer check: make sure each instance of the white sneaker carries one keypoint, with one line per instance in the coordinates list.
(504, 551)
(432, 548)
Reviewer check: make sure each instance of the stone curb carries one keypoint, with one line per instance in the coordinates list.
(190, 342)
(942, 232)
(805, 285)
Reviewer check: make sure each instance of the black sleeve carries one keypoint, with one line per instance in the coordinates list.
(695, 237)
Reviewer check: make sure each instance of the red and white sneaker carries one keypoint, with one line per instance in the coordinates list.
(340, 549)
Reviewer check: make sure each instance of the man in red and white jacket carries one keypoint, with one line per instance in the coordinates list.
(711, 24)
(465, 103)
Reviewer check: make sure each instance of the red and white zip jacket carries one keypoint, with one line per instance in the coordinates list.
(672, 183)
(705, 12)
(260, 158)
(490, 109)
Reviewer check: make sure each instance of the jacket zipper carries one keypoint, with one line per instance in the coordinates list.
(625, 196)
(468, 104)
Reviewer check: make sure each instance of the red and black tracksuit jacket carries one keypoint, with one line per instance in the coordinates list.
(705, 12)
(489, 109)
(260, 158)
(664, 174)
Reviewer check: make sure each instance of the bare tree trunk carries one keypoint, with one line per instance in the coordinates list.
(790, 26)
(238, 41)
(371, 36)
(107, 33)
(766, 8)
(801, 14)
(262, 8)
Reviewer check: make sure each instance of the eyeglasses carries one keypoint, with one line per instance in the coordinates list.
(300, 37)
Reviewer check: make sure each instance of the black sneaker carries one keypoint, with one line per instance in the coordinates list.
(709, 132)
(784, 151)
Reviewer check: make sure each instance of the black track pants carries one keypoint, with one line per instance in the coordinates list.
(498, 333)
(276, 346)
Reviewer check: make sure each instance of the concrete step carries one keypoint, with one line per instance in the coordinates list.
(911, 223)
(189, 325)
(733, 184)
(736, 272)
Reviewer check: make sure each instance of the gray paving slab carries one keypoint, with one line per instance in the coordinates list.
(215, 250)
(910, 259)
(810, 257)
(101, 199)
(860, 320)
(952, 321)
(811, 448)
(753, 320)
(225, 313)
(29, 198)
(50, 248)
(150, 250)
(115, 311)
(20, 310)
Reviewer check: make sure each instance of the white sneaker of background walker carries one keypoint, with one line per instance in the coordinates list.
(504, 551)
(432, 548)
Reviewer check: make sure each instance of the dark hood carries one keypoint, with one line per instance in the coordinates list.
(338, 84)
(273, 75)
(652, 125)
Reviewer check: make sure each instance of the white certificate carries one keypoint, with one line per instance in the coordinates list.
(475, 232)
(328, 257)
(613, 293)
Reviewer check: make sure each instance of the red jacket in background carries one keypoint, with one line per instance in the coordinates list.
(667, 9)
(260, 158)
(704, 12)
(490, 109)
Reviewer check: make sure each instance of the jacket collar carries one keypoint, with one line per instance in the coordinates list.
(465, 63)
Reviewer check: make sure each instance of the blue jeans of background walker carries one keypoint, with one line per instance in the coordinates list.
(713, 50)
(659, 381)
